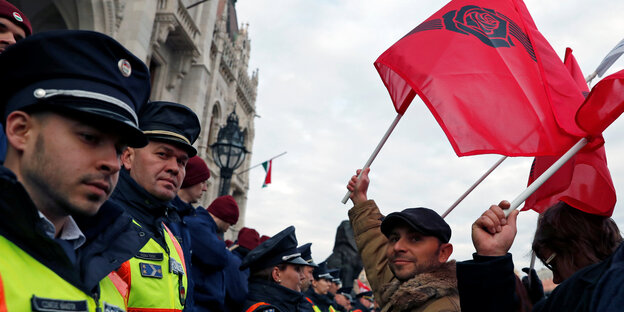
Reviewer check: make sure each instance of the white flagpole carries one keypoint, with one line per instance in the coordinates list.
(461, 198)
(608, 60)
(376, 151)
(547, 174)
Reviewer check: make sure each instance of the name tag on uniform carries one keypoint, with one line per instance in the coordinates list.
(112, 308)
(151, 270)
(155, 256)
(40, 304)
(175, 267)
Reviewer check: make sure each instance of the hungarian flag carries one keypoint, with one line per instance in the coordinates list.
(584, 181)
(268, 165)
(491, 80)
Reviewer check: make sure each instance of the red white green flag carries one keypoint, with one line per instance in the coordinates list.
(267, 167)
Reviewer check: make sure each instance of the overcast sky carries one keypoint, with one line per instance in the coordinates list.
(321, 100)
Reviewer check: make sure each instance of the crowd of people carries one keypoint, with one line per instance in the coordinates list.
(99, 189)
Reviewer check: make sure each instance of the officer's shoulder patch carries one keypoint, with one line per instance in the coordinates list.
(151, 270)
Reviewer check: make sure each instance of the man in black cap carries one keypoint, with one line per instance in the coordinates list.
(276, 269)
(150, 178)
(413, 273)
(68, 104)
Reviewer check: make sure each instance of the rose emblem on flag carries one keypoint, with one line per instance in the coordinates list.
(491, 27)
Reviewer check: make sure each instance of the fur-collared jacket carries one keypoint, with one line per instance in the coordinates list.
(435, 291)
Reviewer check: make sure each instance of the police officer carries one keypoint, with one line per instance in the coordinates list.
(364, 302)
(308, 270)
(150, 178)
(317, 294)
(276, 274)
(68, 104)
(306, 254)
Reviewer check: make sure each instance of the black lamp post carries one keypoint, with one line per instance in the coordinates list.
(229, 151)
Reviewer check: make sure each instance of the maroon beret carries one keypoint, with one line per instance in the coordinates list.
(264, 238)
(16, 16)
(196, 172)
(224, 208)
(248, 238)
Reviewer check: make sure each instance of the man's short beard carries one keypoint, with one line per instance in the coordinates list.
(431, 265)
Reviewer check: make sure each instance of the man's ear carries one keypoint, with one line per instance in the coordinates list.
(19, 128)
(127, 157)
(276, 275)
(446, 250)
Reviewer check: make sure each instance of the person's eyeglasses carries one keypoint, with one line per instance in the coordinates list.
(549, 260)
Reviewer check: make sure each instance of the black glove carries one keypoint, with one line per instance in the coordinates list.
(536, 290)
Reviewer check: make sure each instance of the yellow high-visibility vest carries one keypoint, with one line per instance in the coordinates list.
(28, 285)
(156, 277)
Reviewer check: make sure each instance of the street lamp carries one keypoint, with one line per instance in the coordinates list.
(229, 151)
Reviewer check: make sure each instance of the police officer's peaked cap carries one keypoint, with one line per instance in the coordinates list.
(76, 72)
(335, 273)
(422, 220)
(320, 272)
(368, 295)
(171, 122)
(281, 248)
(306, 254)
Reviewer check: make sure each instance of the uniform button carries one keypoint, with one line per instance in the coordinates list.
(39, 93)
(141, 234)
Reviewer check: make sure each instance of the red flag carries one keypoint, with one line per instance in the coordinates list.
(583, 182)
(362, 287)
(569, 61)
(604, 104)
(489, 77)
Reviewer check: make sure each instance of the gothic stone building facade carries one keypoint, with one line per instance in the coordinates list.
(197, 57)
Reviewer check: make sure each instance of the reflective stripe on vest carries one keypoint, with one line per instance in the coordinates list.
(331, 309)
(314, 306)
(34, 284)
(256, 305)
(157, 280)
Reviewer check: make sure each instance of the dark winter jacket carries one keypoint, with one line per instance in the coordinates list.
(111, 237)
(488, 284)
(236, 288)
(176, 221)
(321, 301)
(144, 208)
(209, 260)
(281, 298)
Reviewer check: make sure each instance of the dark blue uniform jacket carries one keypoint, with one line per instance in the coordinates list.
(280, 297)
(176, 221)
(209, 260)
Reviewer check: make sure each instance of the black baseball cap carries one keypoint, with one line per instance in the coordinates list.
(422, 220)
